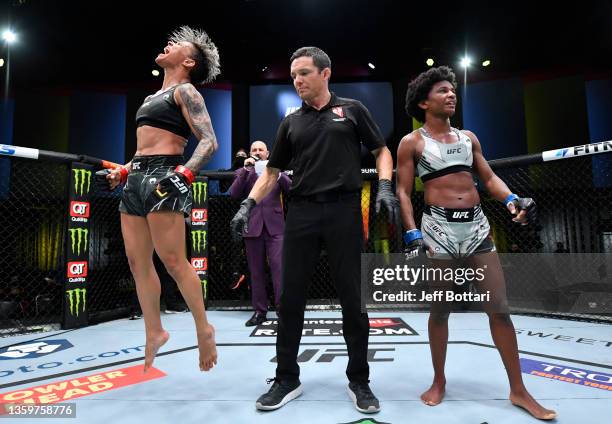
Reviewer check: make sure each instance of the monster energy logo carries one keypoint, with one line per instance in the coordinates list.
(199, 191)
(198, 240)
(80, 176)
(76, 297)
(76, 236)
(204, 287)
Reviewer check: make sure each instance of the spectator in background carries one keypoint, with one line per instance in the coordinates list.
(239, 159)
(515, 248)
(263, 236)
(561, 248)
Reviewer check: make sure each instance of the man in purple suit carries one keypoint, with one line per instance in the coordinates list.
(264, 235)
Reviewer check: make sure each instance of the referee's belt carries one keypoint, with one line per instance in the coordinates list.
(328, 196)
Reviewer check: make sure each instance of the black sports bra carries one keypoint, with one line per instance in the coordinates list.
(161, 111)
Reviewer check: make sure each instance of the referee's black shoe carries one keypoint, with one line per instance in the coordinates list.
(363, 398)
(279, 394)
(256, 319)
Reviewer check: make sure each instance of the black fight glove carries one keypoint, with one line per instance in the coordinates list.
(517, 204)
(240, 221)
(386, 197)
(414, 244)
(175, 184)
(103, 183)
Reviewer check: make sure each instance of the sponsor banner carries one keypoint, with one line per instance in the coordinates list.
(200, 192)
(79, 238)
(199, 240)
(34, 350)
(81, 180)
(199, 264)
(83, 386)
(333, 327)
(29, 369)
(199, 217)
(77, 271)
(77, 301)
(583, 150)
(79, 211)
(594, 379)
(77, 247)
(199, 231)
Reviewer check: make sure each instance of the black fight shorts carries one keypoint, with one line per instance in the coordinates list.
(139, 196)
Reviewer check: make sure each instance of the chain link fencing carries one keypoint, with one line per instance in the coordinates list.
(574, 199)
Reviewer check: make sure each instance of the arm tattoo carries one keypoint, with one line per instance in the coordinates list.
(199, 120)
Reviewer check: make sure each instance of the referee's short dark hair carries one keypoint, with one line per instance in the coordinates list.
(319, 57)
(419, 88)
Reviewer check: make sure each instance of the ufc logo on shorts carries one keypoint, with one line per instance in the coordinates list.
(199, 215)
(135, 165)
(453, 151)
(79, 209)
(199, 264)
(179, 184)
(77, 269)
(458, 215)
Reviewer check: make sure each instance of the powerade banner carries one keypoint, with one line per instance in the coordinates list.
(77, 246)
(595, 379)
(199, 230)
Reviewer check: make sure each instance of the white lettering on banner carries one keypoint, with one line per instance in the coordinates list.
(76, 280)
(77, 268)
(79, 208)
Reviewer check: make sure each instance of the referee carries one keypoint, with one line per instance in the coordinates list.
(322, 142)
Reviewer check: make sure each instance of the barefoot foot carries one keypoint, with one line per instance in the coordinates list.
(527, 402)
(208, 348)
(434, 395)
(154, 342)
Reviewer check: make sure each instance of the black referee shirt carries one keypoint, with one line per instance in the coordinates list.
(323, 146)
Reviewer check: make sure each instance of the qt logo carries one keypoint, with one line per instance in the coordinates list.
(199, 264)
(79, 209)
(199, 215)
(77, 269)
(34, 350)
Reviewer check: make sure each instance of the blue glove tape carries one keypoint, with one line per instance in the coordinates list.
(411, 235)
(510, 198)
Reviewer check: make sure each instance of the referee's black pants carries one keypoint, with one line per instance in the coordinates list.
(338, 225)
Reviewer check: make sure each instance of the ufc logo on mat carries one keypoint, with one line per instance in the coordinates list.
(458, 215)
(79, 209)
